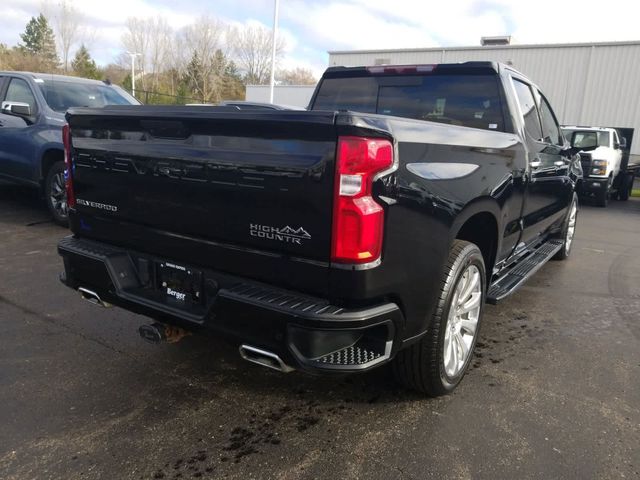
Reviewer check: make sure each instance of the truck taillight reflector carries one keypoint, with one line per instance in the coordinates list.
(68, 167)
(358, 220)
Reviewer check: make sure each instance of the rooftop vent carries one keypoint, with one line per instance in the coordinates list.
(492, 41)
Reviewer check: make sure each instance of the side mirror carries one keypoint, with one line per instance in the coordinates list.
(19, 109)
(623, 142)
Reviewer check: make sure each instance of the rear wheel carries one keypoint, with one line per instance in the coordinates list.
(436, 364)
(602, 197)
(626, 187)
(55, 194)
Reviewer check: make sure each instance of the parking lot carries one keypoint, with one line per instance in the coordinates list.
(554, 391)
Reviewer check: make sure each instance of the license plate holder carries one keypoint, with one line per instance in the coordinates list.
(181, 285)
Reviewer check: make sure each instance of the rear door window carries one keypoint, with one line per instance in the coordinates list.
(528, 108)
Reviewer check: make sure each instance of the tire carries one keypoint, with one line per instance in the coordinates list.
(626, 187)
(602, 197)
(425, 366)
(568, 230)
(55, 194)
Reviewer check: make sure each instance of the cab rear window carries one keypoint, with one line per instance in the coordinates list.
(465, 100)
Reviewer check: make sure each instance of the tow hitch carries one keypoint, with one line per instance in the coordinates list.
(158, 333)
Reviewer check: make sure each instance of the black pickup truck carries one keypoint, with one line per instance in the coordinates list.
(372, 228)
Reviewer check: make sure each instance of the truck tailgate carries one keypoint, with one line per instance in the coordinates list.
(258, 181)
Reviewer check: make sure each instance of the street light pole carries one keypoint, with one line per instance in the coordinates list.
(273, 50)
(133, 72)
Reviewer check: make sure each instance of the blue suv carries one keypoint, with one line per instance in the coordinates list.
(32, 107)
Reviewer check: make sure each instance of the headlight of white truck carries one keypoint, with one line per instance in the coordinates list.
(599, 167)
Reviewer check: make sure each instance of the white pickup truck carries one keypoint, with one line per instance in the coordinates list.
(601, 153)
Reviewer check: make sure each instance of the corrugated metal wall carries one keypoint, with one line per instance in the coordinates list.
(292, 95)
(586, 84)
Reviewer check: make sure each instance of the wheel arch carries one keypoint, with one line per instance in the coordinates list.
(478, 223)
(48, 158)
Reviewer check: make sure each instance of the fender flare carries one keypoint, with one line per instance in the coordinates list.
(480, 205)
(46, 149)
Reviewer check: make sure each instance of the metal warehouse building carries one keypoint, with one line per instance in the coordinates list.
(294, 95)
(587, 84)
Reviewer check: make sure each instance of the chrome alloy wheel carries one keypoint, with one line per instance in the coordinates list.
(58, 194)
(462, 323)
(571, 227)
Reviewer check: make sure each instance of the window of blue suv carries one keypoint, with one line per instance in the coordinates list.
(62, 95)
(19, 91)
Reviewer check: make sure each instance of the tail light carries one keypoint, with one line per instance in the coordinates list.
(68, 168)
(358, 220)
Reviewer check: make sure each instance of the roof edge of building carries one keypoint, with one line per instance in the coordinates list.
(488, 47)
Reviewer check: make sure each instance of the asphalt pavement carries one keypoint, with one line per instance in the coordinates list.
(554, 391)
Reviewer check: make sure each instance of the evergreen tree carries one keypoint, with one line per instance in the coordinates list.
(233, 87)
(83, 65)
(193, 76)
(126, 82)
(39, 41)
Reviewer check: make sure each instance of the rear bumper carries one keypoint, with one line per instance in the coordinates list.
(306, 332)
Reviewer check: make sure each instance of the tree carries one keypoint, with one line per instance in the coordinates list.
(5, 57)
(252, 52)
(39, 41)
(204, 39)
(68, 30)
(297, 76)
(233, 88)
(193, 76)
(17, 58)
(160, 36)
(136, 40)
(116, 74)
(83, 65)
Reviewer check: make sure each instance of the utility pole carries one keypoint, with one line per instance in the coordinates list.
(273, 49)
(133, 71)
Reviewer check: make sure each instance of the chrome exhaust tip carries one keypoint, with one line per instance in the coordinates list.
(92, 297)
(264, 358)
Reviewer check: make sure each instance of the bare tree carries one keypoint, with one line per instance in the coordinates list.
(296, 76)
(152, 38)
(160, 37)
(252, 52)
(115, 73)
(68, 29)
(136, 40)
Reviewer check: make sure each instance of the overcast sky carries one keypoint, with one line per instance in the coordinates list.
(311, 27)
